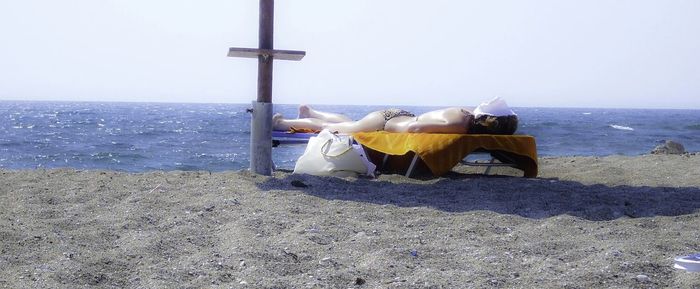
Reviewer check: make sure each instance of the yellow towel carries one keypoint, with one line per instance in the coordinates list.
(441, 152)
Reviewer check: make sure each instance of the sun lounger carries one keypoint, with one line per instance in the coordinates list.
(441, 152)
(286, 137)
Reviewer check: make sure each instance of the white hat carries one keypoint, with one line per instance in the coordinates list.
(496, 106)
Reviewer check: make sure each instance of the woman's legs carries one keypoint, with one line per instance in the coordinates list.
(372, 122)
(280, 123)
(306, 111)
(308, 119)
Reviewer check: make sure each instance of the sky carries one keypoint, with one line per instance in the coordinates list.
(544, 53)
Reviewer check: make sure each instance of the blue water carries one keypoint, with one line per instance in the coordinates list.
(138, 137)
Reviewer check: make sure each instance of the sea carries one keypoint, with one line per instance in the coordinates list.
(140, 137)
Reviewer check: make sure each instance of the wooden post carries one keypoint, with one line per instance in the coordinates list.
(265, 35)
(261, 125)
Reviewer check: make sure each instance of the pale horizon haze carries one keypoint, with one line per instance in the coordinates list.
(547, 53)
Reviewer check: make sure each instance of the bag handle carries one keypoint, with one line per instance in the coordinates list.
(327, 143)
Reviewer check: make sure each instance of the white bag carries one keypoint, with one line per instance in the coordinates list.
(331, 155)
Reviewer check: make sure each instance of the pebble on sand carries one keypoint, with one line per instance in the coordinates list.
(643, 278)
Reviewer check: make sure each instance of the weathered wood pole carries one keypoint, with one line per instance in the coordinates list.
(265, 35)
(261, 125)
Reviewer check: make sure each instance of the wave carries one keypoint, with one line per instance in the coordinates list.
(620, 127)
(98, 156)
(693, 127)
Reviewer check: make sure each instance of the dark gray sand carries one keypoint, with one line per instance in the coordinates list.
(613, 222)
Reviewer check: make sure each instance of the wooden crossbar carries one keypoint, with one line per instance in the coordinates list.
(276, 54)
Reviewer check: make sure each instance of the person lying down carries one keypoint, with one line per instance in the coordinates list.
(448, 120)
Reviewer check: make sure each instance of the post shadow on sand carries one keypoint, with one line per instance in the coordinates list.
(534, 198)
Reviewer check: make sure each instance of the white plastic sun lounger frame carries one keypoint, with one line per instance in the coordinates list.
(488, 165)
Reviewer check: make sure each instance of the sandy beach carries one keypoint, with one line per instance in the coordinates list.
(585, 222)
